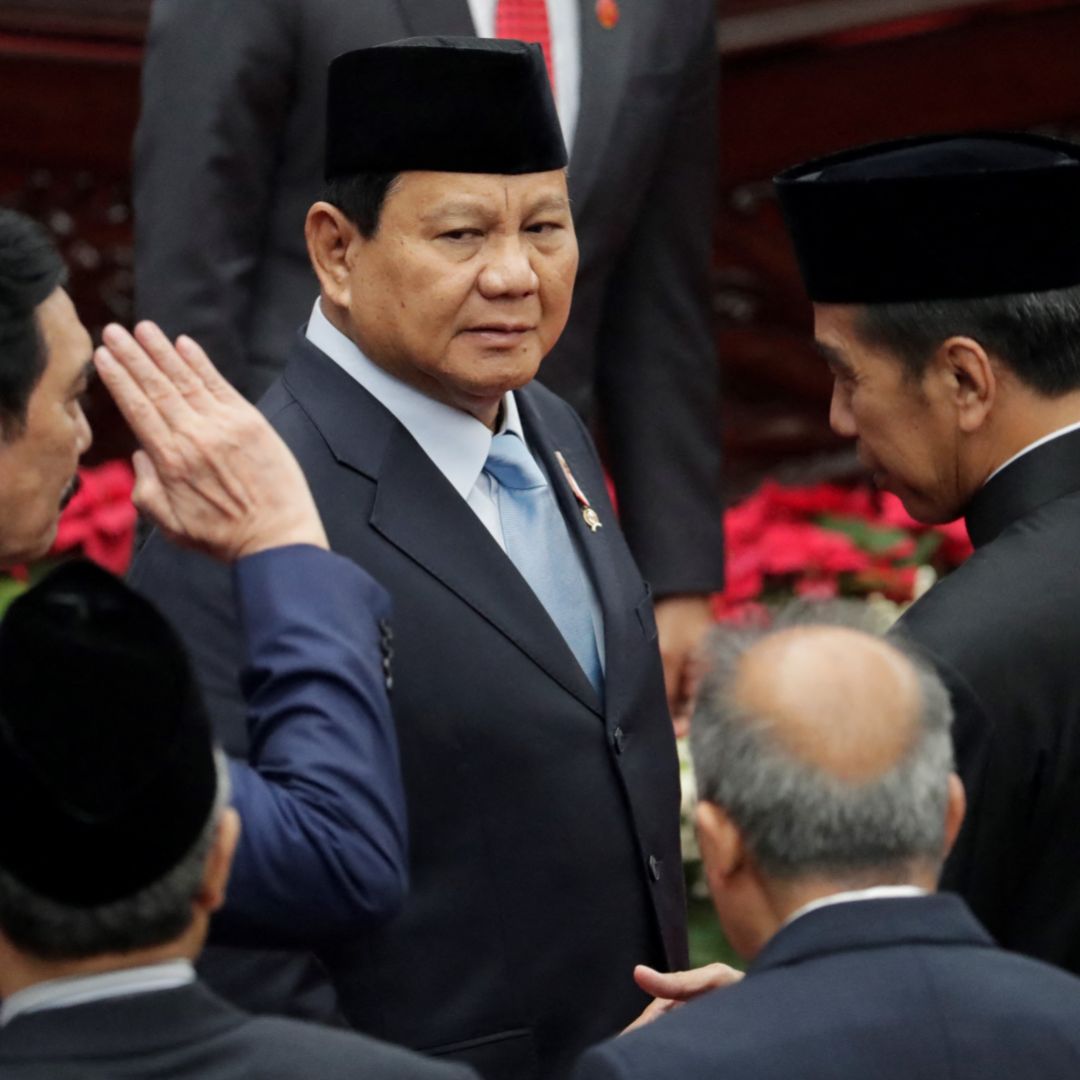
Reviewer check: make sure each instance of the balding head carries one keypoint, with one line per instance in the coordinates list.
(835, 699)
(829, 749)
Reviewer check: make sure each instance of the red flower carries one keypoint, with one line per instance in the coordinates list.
(100, 521)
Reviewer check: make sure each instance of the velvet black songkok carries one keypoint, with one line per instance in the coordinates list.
(444, 104)
(107, 774)
(939, 217)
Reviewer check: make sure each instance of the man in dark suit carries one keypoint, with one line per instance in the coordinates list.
(117, 848)
(538, 757)
(228, 159)
(827, 802)
(945, 275)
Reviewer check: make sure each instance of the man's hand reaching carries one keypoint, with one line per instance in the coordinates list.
(672, 989)
(212, 472)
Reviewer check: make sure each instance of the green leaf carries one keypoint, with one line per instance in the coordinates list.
(871, 538)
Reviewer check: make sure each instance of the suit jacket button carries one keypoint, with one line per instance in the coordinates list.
(654, 868)
(618, 739)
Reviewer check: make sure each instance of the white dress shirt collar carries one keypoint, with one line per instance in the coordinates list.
(82, 989)
(1032, 446)
(876, 892)
(456, 442)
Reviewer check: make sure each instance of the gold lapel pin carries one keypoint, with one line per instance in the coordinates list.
(588, 514)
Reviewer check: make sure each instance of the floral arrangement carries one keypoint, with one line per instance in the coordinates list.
(826, 541)
(98, 524)
(818, 542)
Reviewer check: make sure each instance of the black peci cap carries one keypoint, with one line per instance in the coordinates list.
(939, 217)
(107, 773)
(441, 103)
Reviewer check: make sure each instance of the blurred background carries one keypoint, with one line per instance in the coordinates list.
(799, 78)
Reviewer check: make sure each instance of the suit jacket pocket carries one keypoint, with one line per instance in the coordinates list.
(502, 1053)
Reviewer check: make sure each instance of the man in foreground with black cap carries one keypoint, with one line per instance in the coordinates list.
(115, 853)
(826, 805)
(945, 276)
(537, 751)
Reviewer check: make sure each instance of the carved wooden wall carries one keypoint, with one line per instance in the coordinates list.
(800, 77)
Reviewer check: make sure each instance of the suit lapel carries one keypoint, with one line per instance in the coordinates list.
(449, 18)
(605, 69)
(598, 548)
(418, 511)
(441, 533)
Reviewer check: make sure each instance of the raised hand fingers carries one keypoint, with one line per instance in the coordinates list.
(179, 372)
(138, 409)
(195, 357)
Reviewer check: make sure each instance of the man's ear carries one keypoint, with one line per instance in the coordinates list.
(955, 808)
(721, 843)
(330, 234)
(970, 380)
(211, 893)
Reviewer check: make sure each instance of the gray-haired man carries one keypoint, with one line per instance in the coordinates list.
(828, 801)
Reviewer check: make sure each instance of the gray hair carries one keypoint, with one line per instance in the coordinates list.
(796, 819)
(1036, 334)
(157, 914)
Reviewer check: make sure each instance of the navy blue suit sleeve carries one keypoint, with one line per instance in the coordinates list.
(323, 848)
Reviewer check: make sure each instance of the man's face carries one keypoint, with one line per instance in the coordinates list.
(38, 463)
(467, 283)
(905, 428)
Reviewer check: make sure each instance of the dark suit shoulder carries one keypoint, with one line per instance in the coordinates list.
(1014, 595)
(852, 1014)
(286, 1049)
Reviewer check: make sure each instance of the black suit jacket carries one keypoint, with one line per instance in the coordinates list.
(190, 1033)
(893, 989)
(1004, 629)
(544, 828)
(228, 158)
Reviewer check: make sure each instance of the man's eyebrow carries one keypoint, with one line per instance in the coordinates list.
(551, 203)
(834, 358)
(86, 374)
(462, 208)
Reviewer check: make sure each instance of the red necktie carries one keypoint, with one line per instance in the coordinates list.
(526, 20)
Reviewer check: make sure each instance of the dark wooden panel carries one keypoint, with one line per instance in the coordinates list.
(115, 19)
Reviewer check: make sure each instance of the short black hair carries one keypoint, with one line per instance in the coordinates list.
(1037, 335)
(30, 270)
(360, 198)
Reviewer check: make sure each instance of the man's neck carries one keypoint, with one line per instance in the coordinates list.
(1030, 419)
(19, 970)
(782, 901)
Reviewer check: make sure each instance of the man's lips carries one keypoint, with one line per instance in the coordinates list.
(499, 334)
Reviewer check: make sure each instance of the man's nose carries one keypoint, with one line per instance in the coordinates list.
(508, 270)
(84, 435)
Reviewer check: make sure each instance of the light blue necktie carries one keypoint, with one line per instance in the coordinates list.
(539, 545)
